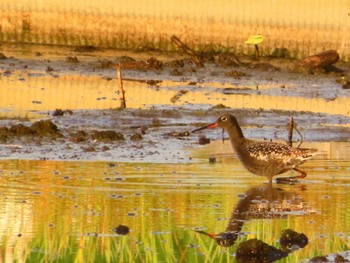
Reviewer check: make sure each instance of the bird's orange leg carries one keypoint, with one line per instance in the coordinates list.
(302, 173)
(291, 179)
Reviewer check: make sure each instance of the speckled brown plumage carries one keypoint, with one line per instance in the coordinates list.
(262, 158)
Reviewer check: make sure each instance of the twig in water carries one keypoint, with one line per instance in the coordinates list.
(120, 87)
(292, 126)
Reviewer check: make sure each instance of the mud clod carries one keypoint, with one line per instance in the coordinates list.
(176, 72)
(228, 61)
(45, 128)
(87, 48)
(254, 250)
(149, 64)
(177, 63)
(20, 130)
(89, 149)
(58, 112)
(79, 136)
(154, 63)
(219, 107)
(203, 140)
(107, 136)
(290, 238)
(136, 137)
(318, 259)
(2, 56)
(4, 134)
(180, 134)
(49, 69)
(235, 74)
(121, 230)
(72, 60)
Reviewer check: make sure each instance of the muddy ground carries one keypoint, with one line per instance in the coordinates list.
(161, 133)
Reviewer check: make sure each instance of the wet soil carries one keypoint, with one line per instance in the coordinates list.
(161, 133)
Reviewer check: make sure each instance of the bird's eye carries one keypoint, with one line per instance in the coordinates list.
(223, 118)
(222, 242)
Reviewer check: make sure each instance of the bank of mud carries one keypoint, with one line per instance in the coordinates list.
(167, 96)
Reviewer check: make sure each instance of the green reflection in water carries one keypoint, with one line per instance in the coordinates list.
(66, 211)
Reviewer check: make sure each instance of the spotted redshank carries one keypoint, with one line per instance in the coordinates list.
(263, 158)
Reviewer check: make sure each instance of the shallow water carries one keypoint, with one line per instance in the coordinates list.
(61, 202)
(68, 210)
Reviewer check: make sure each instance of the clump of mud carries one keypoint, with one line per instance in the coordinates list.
(42, 128)
(254, 250)
(107, 136)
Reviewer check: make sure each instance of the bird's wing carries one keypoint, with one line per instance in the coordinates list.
(268, 151)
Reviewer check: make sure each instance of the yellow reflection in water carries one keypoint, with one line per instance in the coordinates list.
(67, 210)
(20, 94)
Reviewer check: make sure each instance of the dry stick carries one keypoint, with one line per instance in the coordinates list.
(292, 126)
(120, 87)
(257, 52)
(194, 56)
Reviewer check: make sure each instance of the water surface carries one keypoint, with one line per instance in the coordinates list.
(67, 211)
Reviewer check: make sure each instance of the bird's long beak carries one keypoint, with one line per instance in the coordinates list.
(214, 236)
(213, 125)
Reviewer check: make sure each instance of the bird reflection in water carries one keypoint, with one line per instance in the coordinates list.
(264, 201)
